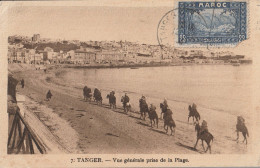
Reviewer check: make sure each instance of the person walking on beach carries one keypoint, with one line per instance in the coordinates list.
(48, 95)
(22, 83)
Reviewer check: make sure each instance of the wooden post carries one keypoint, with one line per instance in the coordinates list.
(27, 146)
(37, 145)
(12, 129)
(14, 137)
(30, 143)
(20, 133)
(21, 140)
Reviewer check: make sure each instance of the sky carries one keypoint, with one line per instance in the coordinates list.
(131, 21)
(136, 24)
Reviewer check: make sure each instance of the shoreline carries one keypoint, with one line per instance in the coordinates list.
(105, 66)
(130, 134)
(134, 66)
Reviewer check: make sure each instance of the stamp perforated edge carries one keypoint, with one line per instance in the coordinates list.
(226, 45)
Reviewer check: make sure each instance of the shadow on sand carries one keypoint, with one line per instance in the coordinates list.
(188, 147)
(81, 110)
(155, 129)
(231, 139)
(82, 100)
(138, 118)
(110, 134)
(105, 106)
(185, 122)
(158, 131)
(144, 124)
(119, 111)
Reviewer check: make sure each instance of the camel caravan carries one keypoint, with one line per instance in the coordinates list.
(166, 114)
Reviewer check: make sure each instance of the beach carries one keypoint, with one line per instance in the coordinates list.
(100, 130)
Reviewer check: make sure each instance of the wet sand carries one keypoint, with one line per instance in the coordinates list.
(101, 130)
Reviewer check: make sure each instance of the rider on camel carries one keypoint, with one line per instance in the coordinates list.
(194, 106)
(143, 98)
(152, 107)
(142, 101)
(165, 103)
(112, 93)
(125, 101)
(240, 120)
(168, 114)
(165, 107)
(204, 127)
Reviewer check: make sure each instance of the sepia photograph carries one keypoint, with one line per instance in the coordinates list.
(131, 78)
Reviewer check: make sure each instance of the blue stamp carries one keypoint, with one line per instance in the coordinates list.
(213, 23)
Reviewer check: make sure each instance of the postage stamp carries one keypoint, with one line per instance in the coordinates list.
(212, 23)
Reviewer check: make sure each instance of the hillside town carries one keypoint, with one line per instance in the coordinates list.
(37, 50)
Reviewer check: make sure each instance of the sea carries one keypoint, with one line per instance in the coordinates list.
(222, 88)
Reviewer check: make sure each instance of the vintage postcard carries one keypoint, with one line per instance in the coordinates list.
(129, 83)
